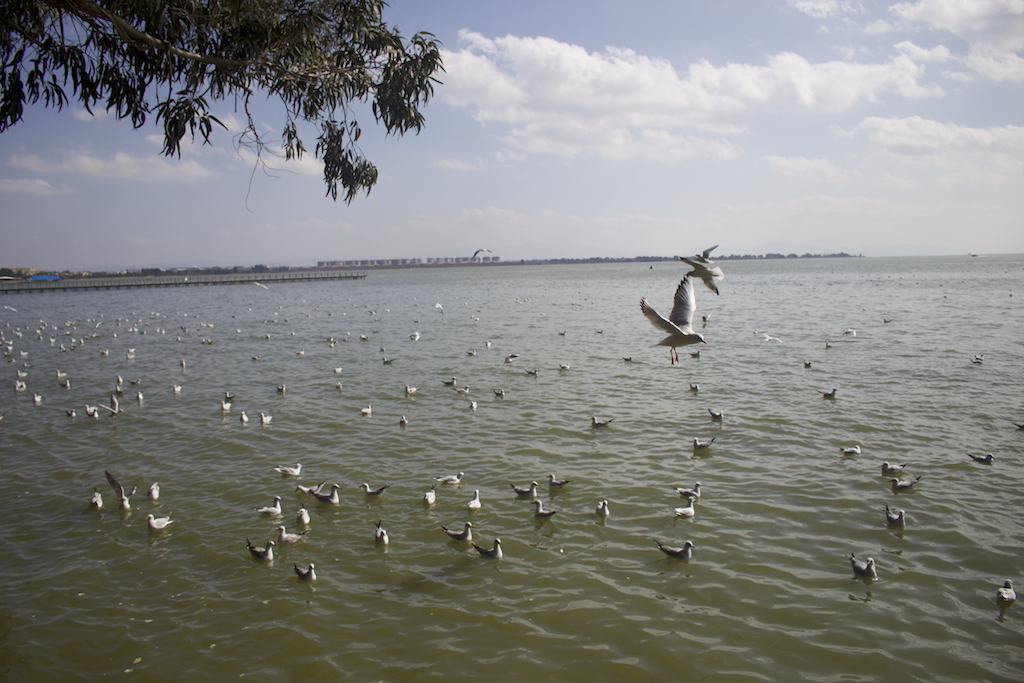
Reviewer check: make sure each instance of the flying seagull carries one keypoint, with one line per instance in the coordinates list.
(679, 324)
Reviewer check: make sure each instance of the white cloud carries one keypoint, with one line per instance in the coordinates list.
(559, 99)
(938, 54)
(36, 186)
(820, 9)
(120, 165)
(457, 165)
(820, 170)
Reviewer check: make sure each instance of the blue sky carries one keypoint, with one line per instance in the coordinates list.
(587, 129)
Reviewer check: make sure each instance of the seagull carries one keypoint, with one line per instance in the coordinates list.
(894, 518)
(687, 511)
(388, 361)
(430, 496)
(440, 308)
(414, 336)
(285, 538)
(807, 363)
(380, 535)
(828, 345)
(500, 393)
(556, 483)
(899, 486)
(714, 415)
(292, 471)
(261, 553)
(403, 421)
(509, 358)
(695, 354)
(684, 553)
(983, 459)
(97, 498)
(465, 535)
(331, 497)
(176, 388)
(409, 391)
(302, 516)
(281, 388)
(865, 570)
(708, 275)
(92, 411)
(540, 512)
(1006, 596)
(829, 394)
(892, 469)
(474, 504)
(852, 450)
(449, 383)
(978, 359)
(225, 406)
(525, 492)
(535, 372)
(243, 418)
(154, 491)
(311, 489)
(308, 574)
(699, 445)
(769, 338)
(451, 478)
(119, 490)
(70, 413)
(564, 367)
(679, 324)
(158, 523)
(690, 493)
(849, 331)
(367, 411)
(594, 422)
(274, 509)
(695, 388)
(493, 553)
(479, 250)
(265, 419)
(602, 509)
(375, 493)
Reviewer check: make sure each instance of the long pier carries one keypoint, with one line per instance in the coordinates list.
(92, 284)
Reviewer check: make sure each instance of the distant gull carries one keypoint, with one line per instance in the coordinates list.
(828, 345)
(311, 489)
(695, 354)
(281, 388)
(367, 411)
(288, 470)
(829, 394)
(154, 491)
(562, 367)
(158, 523)
(474, 504)
(714, 415)
(695, 388)
(690, 493)
(285, 538)
(274, 509)
(556, 483)
(465, 535)
(983, 459)
(699, 445)
(492, 553)
(525, 492)
(308, 574)
(449, 383)
(440, 308)
(850, 332)
(864, 570)
(807, 363)
(899, 486)
(414, 336)
(1006, 596)
(540, 512)
(225, 406)
(244, 418)
(851, 450)
(451, 478)
(509, 358)
(892, 469)
(679, 324)
(122, 497)
(374, 493)
(602, 509)
(684, 553)
(176, 388)
(534, 372)
(265, 419)
(687, 511)
(261, 553)
(409, 391)
(594, 422)
(480, 250)
(97, 499)
(708, 275)
(500, 393)
(302, 516)
(403, 421)
(894, 518)
(430, 496)
(380, 535)
(331, 497)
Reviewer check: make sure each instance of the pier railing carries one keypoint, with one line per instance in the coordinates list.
(86, 284)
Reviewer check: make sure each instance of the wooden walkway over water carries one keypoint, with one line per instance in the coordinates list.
(92, 284)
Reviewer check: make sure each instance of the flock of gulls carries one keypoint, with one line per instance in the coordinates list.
(678, 327)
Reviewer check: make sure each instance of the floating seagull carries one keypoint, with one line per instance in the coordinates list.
(285, 538)
(690, 493)
(714, 415)
(525, 492)
(892, 469)
(274, 509)
(311, 489)
(265, 419)
(465, 535)
(302, 516)
(492, 553)
(451, 478)
(695, 354)
(289, 471)
(687, 511)
(852, 450)
(594, 422)
(409, 391)
(375, 493)
(243, 418)
(70, 413)
(474, 504)
(449, 383)
(983, 459)
(97, 498)
(679, 324)
(894, 518)
(281, 388)
(556, 483)
(331, 497)
(899, 486)
(92, 411)
(708, 275)
(388, 361)
(829, 394)
(122, 497)
(176, 388)
(414, 336)
(225, 406)
(367, 411)
(540, 512)
(695, 388)
(1006, 596)
(535, 372)
(865, 570)
(158, 523)
(261, 553)
(308, 574)
(403, 421)
(602, 509)
(849, 331)
(430, 496)
(828, 345)
(37, 399)
(684, 553)
(807, 363)
(499, 393)
(509, 358)
(380, 535)
(699, 445)
(154, 491)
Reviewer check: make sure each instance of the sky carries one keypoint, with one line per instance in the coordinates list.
(573, 130)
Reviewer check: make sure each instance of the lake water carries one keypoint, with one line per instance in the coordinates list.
(769, 594)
